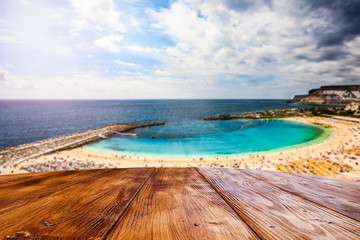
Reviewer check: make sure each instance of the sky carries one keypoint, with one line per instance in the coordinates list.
(184, 49)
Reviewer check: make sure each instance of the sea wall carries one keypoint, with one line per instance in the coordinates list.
(13, 155)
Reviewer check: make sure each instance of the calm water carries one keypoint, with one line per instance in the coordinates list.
(28, 121)
(208, 139)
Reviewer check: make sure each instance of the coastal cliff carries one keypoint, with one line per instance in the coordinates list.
(330, 95)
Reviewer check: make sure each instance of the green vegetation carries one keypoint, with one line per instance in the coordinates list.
(285, 113)
(340, 111)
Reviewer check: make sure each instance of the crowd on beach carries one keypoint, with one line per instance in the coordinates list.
(329, 159)
(341, 158)
(55, 163)
(60, 163)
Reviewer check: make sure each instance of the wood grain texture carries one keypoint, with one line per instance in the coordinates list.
(21, 189)
(180, 204)
(346, 187)
(84, 206)
(342, 196)
(173, 203)
(276, 214)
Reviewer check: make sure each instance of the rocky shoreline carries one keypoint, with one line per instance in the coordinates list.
(13, 155)
(282, 113)
(351, 110)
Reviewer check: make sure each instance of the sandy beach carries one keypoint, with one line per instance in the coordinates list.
(337, 156)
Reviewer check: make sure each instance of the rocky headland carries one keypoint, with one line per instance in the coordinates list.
(282, 113)
(351, 110)
(330, 95)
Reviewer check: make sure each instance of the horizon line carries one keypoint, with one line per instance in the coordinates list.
(119, 99)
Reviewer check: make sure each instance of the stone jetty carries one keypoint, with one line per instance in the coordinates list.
(17, 154)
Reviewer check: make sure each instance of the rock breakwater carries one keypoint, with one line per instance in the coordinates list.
(13, 155)
(282, 113)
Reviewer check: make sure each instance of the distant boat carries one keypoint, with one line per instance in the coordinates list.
(129, 134)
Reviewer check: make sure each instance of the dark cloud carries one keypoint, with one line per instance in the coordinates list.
(266, 59)
(302, 57)
(239, 5)
(326, 72)
(344, 19)
(351, 80)
(331, 55)
(243, 5)
(346, 78)
(325, 55)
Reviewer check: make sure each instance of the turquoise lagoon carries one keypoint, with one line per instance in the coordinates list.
(209, 139)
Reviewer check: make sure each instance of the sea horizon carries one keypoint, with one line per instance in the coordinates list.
(129, 99)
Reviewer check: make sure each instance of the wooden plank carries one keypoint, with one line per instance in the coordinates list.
(343, 186)
(85, 210)
(180, 204)
(275, 214)
(342, 196)
(21, 189)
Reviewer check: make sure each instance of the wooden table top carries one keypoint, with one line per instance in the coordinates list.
(177, 203)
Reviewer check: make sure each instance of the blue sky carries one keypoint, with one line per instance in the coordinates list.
(131, 49)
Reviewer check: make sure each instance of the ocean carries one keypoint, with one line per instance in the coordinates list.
(25, 121)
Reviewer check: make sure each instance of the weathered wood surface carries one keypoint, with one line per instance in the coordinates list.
(180, 204)
(172, 203)
(19, 190)
(87, 208)
(342, 196)
(276, 214)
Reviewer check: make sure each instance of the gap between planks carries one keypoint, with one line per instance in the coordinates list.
(228, 203)
(165, 181)
(127, 206)
(249, 205)
(268, 181)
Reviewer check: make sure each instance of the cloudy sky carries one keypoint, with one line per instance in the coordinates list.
(126, 49)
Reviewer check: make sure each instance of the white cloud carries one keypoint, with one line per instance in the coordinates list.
(127, 64)
(3, 21)
(63, 50)
(109, 42)
(93, 86)
(212, 43)
(26, 2)
(162, 73)
(216, 37)
(100, 11)
(3, 72)
(126, 73)
(144, 50)
(10, 39)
